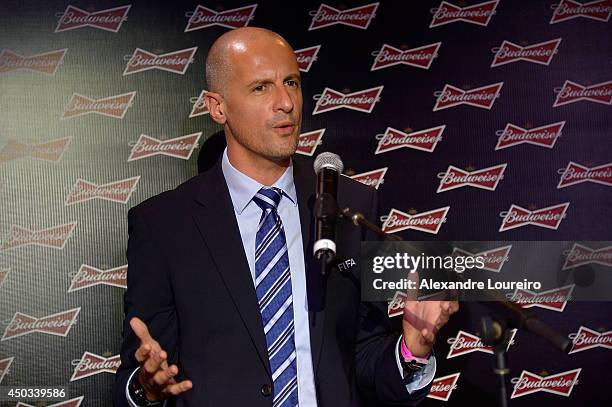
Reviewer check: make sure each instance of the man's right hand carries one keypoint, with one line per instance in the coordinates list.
(155, 376)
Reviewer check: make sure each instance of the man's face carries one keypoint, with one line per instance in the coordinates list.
(263, 100)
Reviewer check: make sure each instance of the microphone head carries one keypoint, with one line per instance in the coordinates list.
(328, 160)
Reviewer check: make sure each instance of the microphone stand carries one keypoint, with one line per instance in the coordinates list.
(496, 330)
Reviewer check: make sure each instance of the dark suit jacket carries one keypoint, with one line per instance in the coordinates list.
(189, 281)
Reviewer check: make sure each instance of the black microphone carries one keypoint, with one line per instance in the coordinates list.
(328, 167)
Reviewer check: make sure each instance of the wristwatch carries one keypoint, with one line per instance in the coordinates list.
(137, 394)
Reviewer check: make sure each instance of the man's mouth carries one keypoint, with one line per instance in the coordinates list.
(284, 127)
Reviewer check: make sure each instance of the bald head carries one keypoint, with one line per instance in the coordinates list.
(219, 61)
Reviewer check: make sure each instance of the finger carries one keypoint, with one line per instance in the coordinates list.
(140, 329)
(164, 376)
(428, 336)
(153, 363)
(178, 388)
(142, 352)
(454, 307)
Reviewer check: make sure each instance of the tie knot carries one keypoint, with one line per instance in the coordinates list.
(268, 198)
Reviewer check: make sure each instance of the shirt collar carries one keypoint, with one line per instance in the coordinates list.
(243, 188)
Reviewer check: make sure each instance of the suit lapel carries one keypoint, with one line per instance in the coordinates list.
(216, 221)
(305, 183)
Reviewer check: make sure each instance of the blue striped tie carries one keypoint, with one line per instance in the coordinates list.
(273, 286)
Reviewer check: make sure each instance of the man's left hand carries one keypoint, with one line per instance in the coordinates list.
(422, 321)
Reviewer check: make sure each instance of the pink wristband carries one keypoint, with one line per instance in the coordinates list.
(407, 355)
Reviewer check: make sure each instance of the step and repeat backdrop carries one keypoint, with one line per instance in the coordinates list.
(474, 120)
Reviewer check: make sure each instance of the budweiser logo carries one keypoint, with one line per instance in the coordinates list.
(54, 237)
(5, 365)
(57, 324)
(479, 14)
(308, 142)
(580, 255)
(482, 97)
(549, 217)
(541, 53)
(560, 383)
(424, 140)
(117, 191)
(89, 276)
(599, 10)
(487, 178)
(199, 105)
(442, 387)
(3, 274)
(396, 305)
(421, 57)
(465, 343)
(358, 17)
(113, 106)
(107, 20)
(372, 178)
(306, 56)
(575, 174)
(362, 101)
(203, 17)
(572, 92)
(92, 364)
(587, 338)
(178, 147)
(46, 151)
(428, 222)
(46, 63)
(554, 300)
(543, 136)
(493, 259)
(75, 402)
(175, 62)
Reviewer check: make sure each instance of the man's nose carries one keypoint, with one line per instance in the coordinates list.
(283, 100)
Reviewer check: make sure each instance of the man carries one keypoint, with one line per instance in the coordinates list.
(224, 305)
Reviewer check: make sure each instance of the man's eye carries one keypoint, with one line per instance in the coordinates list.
(292, 83)
(259, 88)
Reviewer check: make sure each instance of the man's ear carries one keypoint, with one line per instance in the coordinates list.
(214, 102)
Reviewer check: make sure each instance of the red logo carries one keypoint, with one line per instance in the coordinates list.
(46, 63)
(92, 364)
(203, 17)
(362, 101)
(541, 53)
(575, 174)
(89, 276)
(46, 151)
(424, 140)
(599, 10)
(487, 178)
(580, 255)
(5, 365)
(3, 274)
(543, 136)
(107, 20)
(428, 222)
(75, 402)
(421, 57)
(306, 56)
(113, 106)
(572, 92)
(397, 303)
(175, 62)
(358, 17)
(482, 97)
(372, 178)
(587, 338)
(465, 343)
(479, 14)
(549, 217)
(560, 384)
(199, 105)
(494, 259)
(442, 387)
(57, 324)
(178, 147)
(117, 191)
(54, 237)
(308, 142)
(554, 300)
